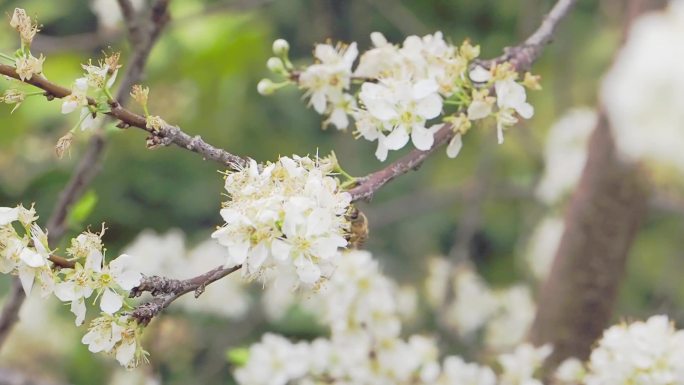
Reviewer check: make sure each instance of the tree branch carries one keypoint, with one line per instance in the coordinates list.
(521, 57)
(167, 290)
(167, 135)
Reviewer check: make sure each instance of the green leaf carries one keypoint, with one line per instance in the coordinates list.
(82, 209)
(238, 356)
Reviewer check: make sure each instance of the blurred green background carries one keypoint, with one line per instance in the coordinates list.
(203, 75)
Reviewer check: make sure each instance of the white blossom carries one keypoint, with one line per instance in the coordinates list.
(274, 361)
(643, 93)
(520, 366)
(565, 154)
(399, 110)
(326, 81)
(510, 98)
(650, 352)
(289, 216)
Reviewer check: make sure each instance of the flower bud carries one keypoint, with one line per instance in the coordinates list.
(275, 65)
(266, 87)
(281, 47)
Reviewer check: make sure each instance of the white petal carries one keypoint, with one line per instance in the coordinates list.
(454, 146)
(325, 248)
(480, 75)
(339, 118)
(65, 291)
(525, 110)
(422, 137)
(397, 139)
(110, 302)
(308, 272)
(430, 107)
(69, 106)
(479, 110)
(424, 88)
(128, 279)
(26, 276)
(32, 258)
(94, 260)
(318, 222)
(238, 252)
(125, 353)
(81, 84)
(318, 101)
(499, 133)
(381, 151)
(280, 249)
(79, 309)
(8, 215)
(257, 256)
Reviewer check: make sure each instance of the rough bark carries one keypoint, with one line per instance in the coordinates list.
(601, 221)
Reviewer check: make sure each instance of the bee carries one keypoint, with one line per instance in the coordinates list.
(358, 230)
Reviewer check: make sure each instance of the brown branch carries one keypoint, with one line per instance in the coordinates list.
(167, 135)
(10, 311)
(521, 57)
(167, 290)
(133, 25)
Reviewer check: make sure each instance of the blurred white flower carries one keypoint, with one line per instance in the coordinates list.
(650, 352)
(643, 93)
(565, 154)
(108, 12)
(543, 244)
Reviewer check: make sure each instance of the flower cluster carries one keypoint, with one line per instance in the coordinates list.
(504, 315)
(565, 154)
(24, 251)
(26, 64)
(360, 306)
(117, 335)
(643, 92)
(406, 90)
(650, 352)
(98, 78)
(287, 216)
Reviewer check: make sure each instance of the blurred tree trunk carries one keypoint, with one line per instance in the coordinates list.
(602, 218)
(605, 211)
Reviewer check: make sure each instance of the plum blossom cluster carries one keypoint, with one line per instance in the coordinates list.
(360, 306)
(565, 154)
(650, 352)
(407, 92)
(96, 81)
(647, 125)
(24, 251)
(27, 66)
(469, 306)
(287, 217)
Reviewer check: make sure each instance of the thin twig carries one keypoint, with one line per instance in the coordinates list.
(167, 290)
(167, 135)
(521, 57)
